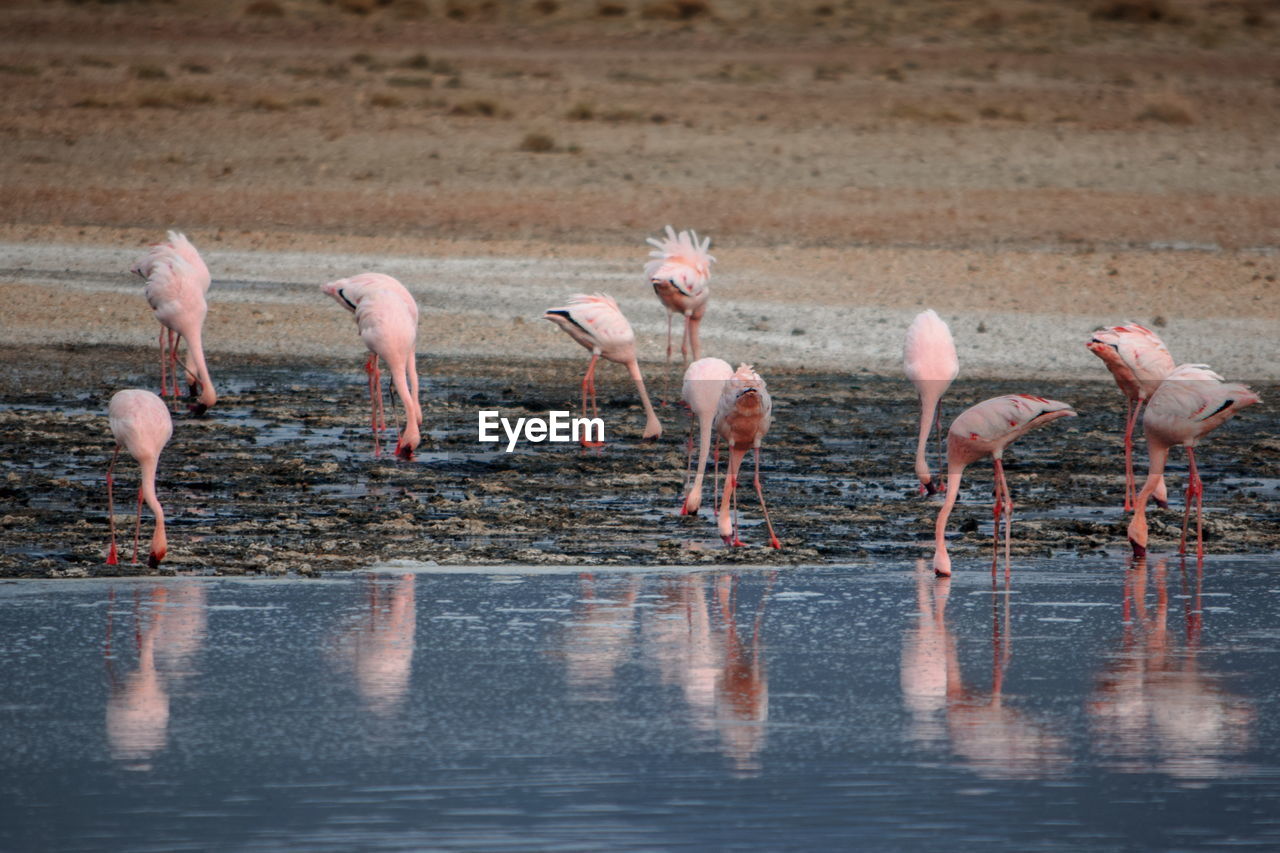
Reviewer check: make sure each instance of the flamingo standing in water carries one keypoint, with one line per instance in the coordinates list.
(703, 384)
(387, 319)
(177, 281)
(929, 359)
(1139, 361)
(1191, 402)
(141, 424)
(680, 272)
(743, 417)
(986, 429)
(596, 322)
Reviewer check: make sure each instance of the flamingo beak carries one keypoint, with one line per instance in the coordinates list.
(1138, 550)
(931, 487)
(198, 409)
(154, 560)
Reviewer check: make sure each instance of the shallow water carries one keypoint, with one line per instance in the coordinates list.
(1087, 704)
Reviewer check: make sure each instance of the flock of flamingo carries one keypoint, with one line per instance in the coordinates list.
(1183, 403)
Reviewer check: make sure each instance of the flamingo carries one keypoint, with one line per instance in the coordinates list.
(141, 424)
(929, 359)
(596, 322)
(986, 429)
(703, 383)
(1139, 361)
(387, 319)
(680, 272)
(1192, 402)
(743, 416)
(177, 281)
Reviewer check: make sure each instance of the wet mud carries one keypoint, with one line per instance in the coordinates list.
(280, 477)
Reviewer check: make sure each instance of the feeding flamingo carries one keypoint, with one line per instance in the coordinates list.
(596, 322)
(703, 383)
(929, 359)
(177, 281)
(1191, 402)
(387, 319)
(743, 417)
(680, 272)
(1139, 361)
(141, 424)
(986, 429)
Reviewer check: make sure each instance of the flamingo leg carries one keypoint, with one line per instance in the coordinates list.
(666, 379)
(688, 459)
(942, 449)
(589, 391)
(174, 339)
(1130, 482)
(164, 363)
(376, 417)
(685, 343)
(1195, 491)
(773, 539)
(1008, 514)
(715, 492)
(112, 558)
(137, 528)
(997, 506)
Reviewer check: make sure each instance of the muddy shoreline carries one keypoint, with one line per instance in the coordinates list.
(280, 478)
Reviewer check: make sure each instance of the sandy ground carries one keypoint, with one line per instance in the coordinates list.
(1029, 170)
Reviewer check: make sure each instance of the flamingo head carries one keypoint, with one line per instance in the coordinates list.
(1109, 353)
(942, 564)
(1138, 535)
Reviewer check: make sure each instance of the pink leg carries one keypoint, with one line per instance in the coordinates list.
(164, 363)
(375, 400)
(1130, 484)
(715, 492)
(773, 540)
(1008, 515)
(589, 392)
(137, 528)
(112, 558)
(666, 379)
(1195, 492)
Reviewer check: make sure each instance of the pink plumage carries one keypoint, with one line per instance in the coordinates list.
(177, 281)
(704, 382)
(596, 322)
(1190, 403)
(141, 424)
(930, 362)
(1139, 361)
(743, 417)
(986, 429)
(680, 273)
(386, 317)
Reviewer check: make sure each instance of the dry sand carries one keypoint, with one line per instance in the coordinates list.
(1030, 170)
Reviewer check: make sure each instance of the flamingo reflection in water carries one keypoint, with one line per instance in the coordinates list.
(1154, 707)
(170, 626)
(995, 739)
(378, 645)
(691, 636)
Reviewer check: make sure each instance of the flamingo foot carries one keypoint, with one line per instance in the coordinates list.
(585, 443)
(774, 543)
(112, 558)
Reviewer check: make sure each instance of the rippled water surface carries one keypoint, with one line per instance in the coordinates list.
(1089, 704)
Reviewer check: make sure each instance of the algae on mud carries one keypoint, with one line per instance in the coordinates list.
(281, 478)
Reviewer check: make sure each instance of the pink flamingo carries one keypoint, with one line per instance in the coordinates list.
(680, 272)
(1139, 361)
(929, 359)
(140, 422)
(986, 429)
(1192, 402)
(596, 322)
(387, 319)
(704, 381)
(743, 417)
(177, 281)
